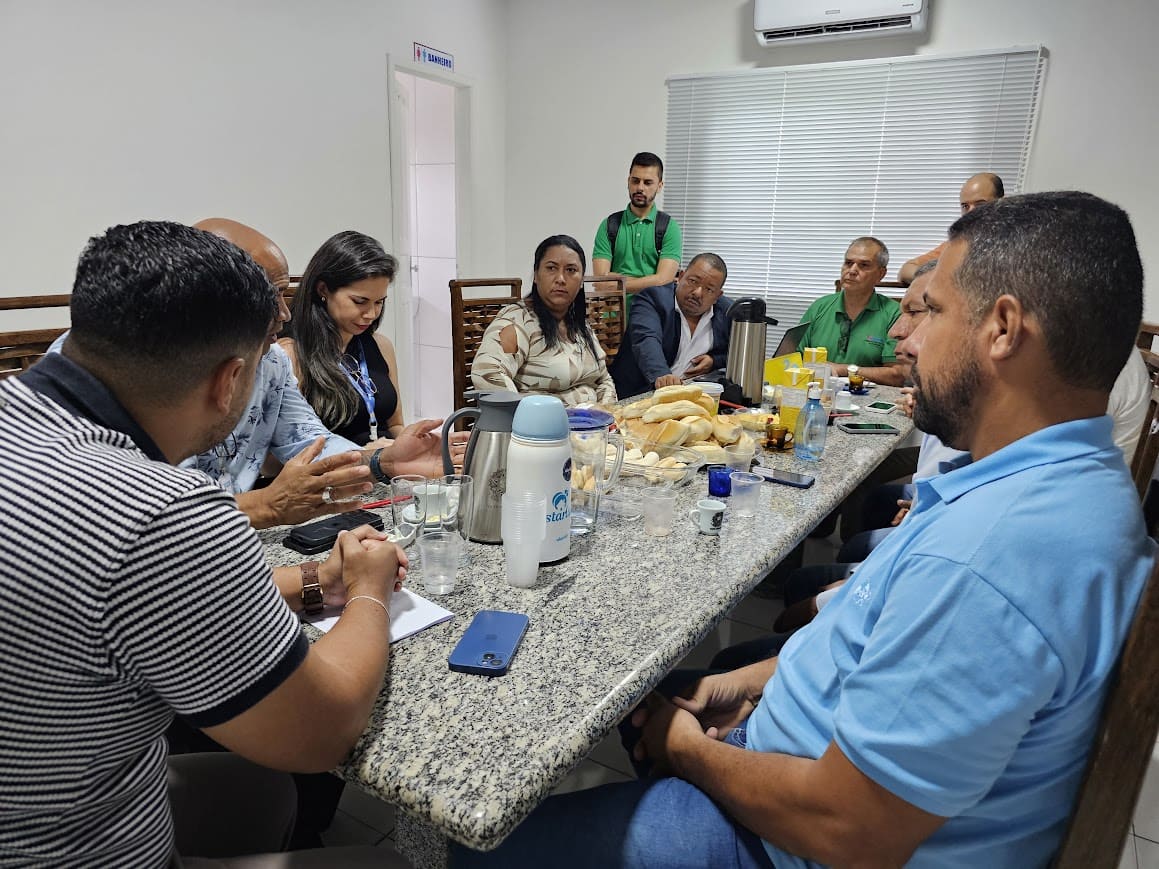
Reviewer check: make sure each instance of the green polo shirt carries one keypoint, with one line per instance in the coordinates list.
(635, 255)
(868, 344)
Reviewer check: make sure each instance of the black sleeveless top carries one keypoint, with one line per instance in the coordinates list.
(385, 400)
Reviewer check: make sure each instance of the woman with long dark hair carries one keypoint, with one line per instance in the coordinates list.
(345, 368)
(543, 343)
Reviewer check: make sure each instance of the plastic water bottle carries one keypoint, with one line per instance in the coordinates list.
(812, 426)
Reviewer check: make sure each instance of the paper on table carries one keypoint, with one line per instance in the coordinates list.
(409, 614)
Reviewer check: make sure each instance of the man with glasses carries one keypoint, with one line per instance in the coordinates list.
(675, 335)
(978, 190)
(853, 324)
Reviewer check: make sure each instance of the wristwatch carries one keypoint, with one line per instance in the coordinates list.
(311, 588)
(376, 468)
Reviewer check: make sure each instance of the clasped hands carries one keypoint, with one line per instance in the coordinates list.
(710, 708)
(363, 561)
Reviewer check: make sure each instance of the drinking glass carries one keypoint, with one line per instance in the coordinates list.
(440, 560)
(746, 493)
(407, 510)
(455, 498)
(659, 506)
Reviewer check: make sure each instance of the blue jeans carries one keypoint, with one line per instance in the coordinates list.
(664, 823)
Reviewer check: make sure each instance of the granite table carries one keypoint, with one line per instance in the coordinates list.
(468, 757)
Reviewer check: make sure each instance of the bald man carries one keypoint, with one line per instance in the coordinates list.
(978, 190)
(322, 473)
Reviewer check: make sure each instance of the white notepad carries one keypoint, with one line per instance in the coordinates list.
(409, 614)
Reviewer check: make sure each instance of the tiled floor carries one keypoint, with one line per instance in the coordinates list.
(364, 820)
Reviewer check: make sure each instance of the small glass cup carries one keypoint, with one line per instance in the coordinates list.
(746, 493)
(659, 506)
(719, 484)
(440, 560)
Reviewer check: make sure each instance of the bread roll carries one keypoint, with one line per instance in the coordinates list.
(708, 403)
(644, 431)
(680, 392)
(725, 431)
(700, 426)
(752, 421)
(672, 433)
(712, 453)
(636, 409)
(672, 410)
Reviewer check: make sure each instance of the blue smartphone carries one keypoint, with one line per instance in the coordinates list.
(489, 643)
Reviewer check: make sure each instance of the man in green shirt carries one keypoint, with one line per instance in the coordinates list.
(853, 324)
(646, 246)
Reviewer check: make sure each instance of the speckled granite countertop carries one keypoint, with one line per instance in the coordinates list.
(472, 756)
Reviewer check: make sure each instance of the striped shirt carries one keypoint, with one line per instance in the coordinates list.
(132, 590)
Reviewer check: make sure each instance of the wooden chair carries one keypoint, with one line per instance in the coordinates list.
(1123, 744)
(1145, 341)
(20, 349)
(607, 313)
(469, 320)
(1147, 451)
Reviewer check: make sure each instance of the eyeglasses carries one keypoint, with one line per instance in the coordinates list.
(354, 372)
(846, 328)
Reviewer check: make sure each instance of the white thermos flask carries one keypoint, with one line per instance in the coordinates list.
(539, 463)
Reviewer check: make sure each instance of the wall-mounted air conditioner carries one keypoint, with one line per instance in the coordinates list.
(787, 21)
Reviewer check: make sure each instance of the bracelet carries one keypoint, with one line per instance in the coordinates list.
(376, 469)
(385, 608)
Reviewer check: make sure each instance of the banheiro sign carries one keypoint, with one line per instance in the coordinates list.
(426, 54)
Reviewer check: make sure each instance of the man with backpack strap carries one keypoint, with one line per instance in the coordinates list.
(641, 242)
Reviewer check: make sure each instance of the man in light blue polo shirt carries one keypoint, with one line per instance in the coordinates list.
(940, 710)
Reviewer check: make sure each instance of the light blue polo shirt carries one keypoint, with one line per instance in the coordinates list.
(964, 665)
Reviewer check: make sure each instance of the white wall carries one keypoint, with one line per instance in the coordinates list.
(273, 112)
(586, 91)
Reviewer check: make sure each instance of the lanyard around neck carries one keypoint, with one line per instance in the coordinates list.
(364, 386)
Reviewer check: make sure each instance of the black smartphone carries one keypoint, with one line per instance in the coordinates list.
(867, 428)
(788, 478)
(488, 644)
(319, 536)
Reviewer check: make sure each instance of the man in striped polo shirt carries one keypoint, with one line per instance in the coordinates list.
(143, 591)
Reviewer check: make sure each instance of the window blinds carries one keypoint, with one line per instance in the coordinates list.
(777, 170)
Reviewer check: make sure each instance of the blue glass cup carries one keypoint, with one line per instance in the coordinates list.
(719, 482)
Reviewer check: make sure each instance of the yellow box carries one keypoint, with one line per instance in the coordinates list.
(816, 354)
(798, 376)
(775, 368)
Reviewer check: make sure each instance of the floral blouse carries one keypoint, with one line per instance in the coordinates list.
(568, 371)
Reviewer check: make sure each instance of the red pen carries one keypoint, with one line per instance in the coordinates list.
(386, 502)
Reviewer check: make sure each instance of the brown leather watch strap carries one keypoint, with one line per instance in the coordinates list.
(311, 588)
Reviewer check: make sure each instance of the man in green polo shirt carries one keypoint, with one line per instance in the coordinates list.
(853, 324)
(644, 250)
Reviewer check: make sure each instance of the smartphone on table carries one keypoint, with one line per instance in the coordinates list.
(880, 407)
(787, 478)
(868, 428)
(489, 643)
(315, 537)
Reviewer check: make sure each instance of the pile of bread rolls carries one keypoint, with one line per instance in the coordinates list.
(685, 416)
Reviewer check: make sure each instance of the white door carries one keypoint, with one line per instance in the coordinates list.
(425, 109)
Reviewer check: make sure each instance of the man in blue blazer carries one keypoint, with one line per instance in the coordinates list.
(675, 333)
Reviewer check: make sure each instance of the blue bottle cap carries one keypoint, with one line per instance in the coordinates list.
(588, 419)
(540, 418)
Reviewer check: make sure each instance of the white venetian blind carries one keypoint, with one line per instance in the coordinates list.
(777, 170)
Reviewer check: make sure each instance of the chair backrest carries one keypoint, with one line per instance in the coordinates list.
(1145, 341)
(20, 349)
(1123, 744)
(469, 320)
(607, 313)
(1147, 450)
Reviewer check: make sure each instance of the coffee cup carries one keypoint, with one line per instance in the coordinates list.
(856, 381)
(708, 515)
(843, 400)
(778, 437)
